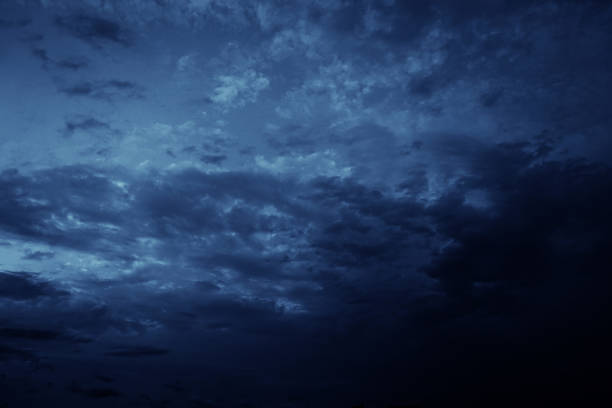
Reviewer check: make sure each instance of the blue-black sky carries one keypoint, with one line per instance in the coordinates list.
(317, 203)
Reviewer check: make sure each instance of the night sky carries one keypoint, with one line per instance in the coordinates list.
(302, 204)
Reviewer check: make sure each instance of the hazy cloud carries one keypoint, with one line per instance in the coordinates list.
(94, 30)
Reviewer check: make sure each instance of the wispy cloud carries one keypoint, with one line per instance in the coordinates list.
(238, 90)
(94, 30)
(104, 90)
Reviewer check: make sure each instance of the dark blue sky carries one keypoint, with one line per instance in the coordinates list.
(317, 203)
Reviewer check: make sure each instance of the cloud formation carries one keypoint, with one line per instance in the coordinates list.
(105, 90)
(330, 203)
(26, 286)
(93, 29)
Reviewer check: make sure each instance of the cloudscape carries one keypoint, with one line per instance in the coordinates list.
(300, 204)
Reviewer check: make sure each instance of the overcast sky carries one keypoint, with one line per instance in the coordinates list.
(316, 203)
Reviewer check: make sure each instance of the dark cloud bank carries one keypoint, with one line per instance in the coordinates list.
(250, 288)
(507, 302)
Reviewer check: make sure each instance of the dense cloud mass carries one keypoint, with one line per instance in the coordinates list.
(322, 203)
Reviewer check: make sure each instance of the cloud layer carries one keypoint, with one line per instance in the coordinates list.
(257, 203)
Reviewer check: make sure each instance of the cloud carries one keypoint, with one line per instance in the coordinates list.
(283, 258)
(94, 30)
(132, 351)
(352, 229)
(238, 90)
(213, 158)
(302, 40)
(39, 215)
(41, 54)
(398, 235)
(26, 286)
(95, 393)
(72, 64)
(99, 217)
(527, 239)
(86, 124)
(38, 255)
(105, 90)
(104, 378)
(29, 334)
(10, 353)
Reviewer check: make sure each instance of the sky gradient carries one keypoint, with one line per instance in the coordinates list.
(317, 203)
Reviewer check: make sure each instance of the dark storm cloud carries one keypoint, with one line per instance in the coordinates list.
(244, 263)
(370, 228)
(491, 97)
(81, 89)
(213, 159)
(105, 90)
(29, 334)
(540, 239)
(104, 378)
(543, 229)
(292, 138)
(41, 54)
(531, 264)
(228, 315)
(73, 64)
(137, 351)
(86, 124)
(10, 353)
(191, 185)
(26, 286)
(213, 147)
(514, 244)
(88, 195)
(499, 55)
(38, 256)
(94, 30)
(426, 85)
(28, 204)
(442, 268)
(95, 393)
(405, 21)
